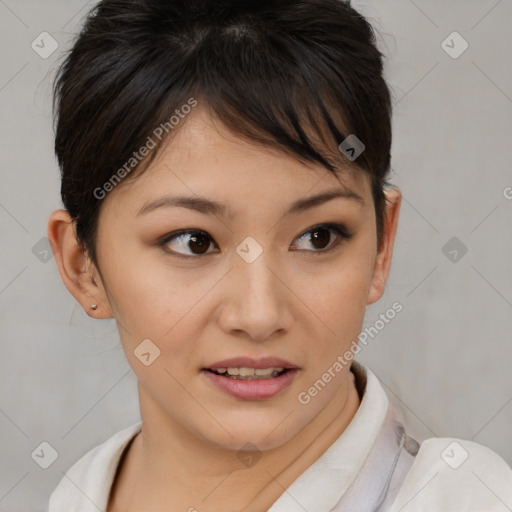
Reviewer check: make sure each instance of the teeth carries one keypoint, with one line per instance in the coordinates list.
(245, 372)
(263, 371)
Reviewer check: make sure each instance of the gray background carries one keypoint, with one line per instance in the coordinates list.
(445, 358)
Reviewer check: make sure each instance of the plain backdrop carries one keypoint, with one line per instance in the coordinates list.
(445, 359)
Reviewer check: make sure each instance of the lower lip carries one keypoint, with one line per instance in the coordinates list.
(257, 389)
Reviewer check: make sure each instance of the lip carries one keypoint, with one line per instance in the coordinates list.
(259, 389)
(248, 362)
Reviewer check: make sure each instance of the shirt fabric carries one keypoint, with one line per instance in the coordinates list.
(374, 466)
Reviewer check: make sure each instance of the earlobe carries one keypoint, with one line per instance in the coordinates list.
(382, 265)
(75, 268)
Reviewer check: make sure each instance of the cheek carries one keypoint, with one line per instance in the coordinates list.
(158, 326)
(339, 292)
(338, 297)
(149, 300)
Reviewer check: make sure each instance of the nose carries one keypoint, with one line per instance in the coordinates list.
(257, 300)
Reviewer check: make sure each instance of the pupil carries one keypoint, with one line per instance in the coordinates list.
(201, 241)
(316, 237)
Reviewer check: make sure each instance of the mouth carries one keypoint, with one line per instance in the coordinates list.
(245, 373)
(246, 368)
(250, 379)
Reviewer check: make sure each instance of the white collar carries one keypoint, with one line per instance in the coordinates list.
(337, 477)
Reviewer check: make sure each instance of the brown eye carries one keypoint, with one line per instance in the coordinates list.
(188, 243)
(199, 242)
(320, 238)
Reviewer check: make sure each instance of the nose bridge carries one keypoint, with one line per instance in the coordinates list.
(257, 282)
(258, 305)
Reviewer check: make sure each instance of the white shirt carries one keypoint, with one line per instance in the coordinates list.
(374, 466)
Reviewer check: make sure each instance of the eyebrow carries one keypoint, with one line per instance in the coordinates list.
(207, 206)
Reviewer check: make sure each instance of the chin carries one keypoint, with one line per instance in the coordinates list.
(263, 433)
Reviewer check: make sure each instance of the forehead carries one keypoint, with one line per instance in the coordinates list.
(205, 158)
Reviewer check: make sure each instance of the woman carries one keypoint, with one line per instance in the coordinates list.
(224, 171)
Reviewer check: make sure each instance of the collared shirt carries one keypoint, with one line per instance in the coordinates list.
(373, 466)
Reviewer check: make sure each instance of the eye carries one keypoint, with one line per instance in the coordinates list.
(190, 240)
(320, 237)
(193, 243)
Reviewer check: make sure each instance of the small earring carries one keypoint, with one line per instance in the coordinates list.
(94, 306)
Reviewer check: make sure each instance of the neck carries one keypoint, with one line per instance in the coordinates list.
(179, 471)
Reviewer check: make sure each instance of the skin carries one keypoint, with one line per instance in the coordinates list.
(290, 303)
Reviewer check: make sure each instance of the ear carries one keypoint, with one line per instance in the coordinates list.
(78, 273)
(385, 251)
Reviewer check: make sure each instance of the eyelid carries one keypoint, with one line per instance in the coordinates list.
(338, 229)
(175, 234)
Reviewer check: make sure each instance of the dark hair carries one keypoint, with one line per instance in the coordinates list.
(299, 76)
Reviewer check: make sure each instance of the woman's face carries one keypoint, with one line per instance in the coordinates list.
(252, 279)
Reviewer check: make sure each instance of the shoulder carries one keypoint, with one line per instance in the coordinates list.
(87, 483)
(450, 474)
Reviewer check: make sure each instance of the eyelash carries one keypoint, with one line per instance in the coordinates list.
(337, 229)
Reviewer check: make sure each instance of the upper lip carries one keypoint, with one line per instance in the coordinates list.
(248, 362)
